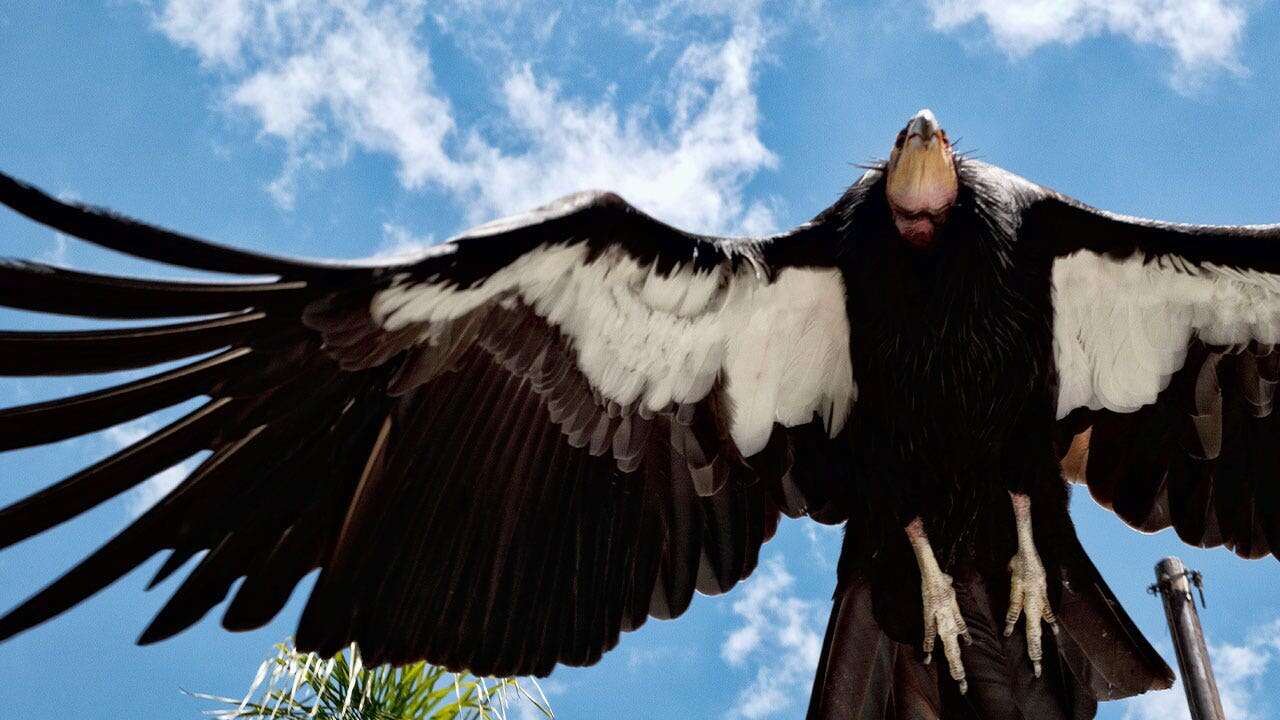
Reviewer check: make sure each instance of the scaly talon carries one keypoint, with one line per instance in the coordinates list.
(942, 619)
(1028, 591)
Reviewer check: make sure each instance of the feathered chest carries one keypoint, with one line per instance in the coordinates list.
(948, 348)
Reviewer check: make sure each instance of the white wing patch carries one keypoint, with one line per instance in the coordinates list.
(781, 348)
(1121, 327)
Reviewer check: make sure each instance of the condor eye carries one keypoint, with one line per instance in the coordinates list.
(902, 137)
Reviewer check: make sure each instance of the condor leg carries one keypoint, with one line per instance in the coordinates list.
(942, 620)
(1028, 593)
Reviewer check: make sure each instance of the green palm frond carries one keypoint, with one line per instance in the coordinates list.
(293, 685)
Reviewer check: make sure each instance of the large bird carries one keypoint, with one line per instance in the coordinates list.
(504, 452)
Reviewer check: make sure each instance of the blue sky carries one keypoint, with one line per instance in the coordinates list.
(351, 128)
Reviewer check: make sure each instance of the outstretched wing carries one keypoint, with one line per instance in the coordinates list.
(1166, 341)
(499, 455)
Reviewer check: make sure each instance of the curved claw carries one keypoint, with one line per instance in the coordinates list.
(1029, 595)
(943, 621)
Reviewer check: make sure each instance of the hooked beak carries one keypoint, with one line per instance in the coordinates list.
(921, 178)
(924, 126)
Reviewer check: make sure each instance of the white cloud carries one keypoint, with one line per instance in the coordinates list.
(824, 543)
(666, 656)
(780, 636)
(399, 243)
(214, 27)
(329, 77)
(1242, 674)
(1203, 35)
(57, 254)
(141, 498)
(128, 434)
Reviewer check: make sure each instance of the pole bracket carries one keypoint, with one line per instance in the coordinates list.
(1166, 585)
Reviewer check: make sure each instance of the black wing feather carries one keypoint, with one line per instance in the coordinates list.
(116, 232)
(110, 477)
(101, 351)
(471, 500)
(29, 285)
(55, 420)
(1200, 458)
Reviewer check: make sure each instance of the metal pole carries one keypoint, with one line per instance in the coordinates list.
(1173, 582)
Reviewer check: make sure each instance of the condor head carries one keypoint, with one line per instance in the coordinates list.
(921, 182)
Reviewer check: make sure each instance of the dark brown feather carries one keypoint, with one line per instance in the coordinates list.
(44, 288)
(98, 351)
(110, 477)
(113, 231)
(467, 495)
(1193, 459)
(856, 676)
(1123, 662)
(55, 420)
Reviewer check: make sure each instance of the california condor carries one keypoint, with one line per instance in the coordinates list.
(568, 421)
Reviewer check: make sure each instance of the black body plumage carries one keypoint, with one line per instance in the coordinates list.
(952, 347)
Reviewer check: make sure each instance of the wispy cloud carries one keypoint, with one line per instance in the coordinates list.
(667, 656)
(215, 28)
(57, 252)
(329, 78)
(780, 636)
(400, 243)
(141, 498)
(1244, 672)
(824, 544)
(1204, 36)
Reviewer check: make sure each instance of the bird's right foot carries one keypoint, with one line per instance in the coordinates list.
(942, 621)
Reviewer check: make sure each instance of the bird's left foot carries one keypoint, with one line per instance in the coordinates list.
(1029, 595)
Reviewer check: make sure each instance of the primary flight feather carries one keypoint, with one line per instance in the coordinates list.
(505, 452)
